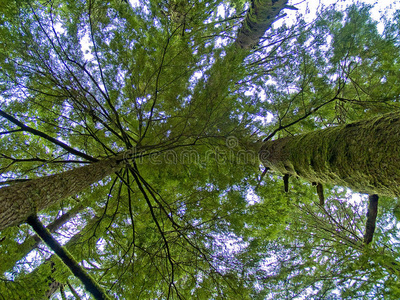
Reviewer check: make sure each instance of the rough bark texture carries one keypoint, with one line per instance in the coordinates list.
(363, 156)
(259, 18)
(19, 201)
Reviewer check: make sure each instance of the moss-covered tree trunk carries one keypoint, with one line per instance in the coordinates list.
(364, 155)
(19, 201)
(261, 15)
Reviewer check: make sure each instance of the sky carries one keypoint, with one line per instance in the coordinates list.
(310, 7)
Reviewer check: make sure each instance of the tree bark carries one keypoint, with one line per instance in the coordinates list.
(31, 242)
(224, 71)
(363, 155)
(90, 284)
(261, 15)
(371, 218)
(42, 282)
(19, 201)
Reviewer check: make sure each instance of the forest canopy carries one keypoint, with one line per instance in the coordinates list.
(132, 131)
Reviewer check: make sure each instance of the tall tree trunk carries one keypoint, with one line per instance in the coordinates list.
(371, 218)
(9, 260)
(21, 200)
(42, 281)
(90, 284)
(261, 15)
(214, 89)
(363, 155)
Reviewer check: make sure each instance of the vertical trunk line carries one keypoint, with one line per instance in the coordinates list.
(90, 284)
(371, 218)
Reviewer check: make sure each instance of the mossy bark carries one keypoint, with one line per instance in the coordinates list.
(19, 201)
(364, 155)
(261, 15)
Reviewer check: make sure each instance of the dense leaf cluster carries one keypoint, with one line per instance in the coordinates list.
(190, 215)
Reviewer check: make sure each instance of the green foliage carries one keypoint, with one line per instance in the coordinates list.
(189, 216)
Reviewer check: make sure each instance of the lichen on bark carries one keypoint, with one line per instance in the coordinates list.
(363, 155)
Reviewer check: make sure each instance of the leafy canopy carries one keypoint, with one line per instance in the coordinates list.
(190, 215)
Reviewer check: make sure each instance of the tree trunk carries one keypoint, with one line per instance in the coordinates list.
(371, 218)
(9, 260)
(261, 15)
(44, 280)
(214, 90)
(363, 155)
(90, 284)
(19, 201)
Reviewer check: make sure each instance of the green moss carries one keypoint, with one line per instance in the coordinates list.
(363, 156)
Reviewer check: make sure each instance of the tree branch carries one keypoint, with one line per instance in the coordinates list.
(45, 136)
(371, 218)
(320, 192)
(32, 242)
(90, 284)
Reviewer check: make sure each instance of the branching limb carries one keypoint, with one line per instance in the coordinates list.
(311, 111)
(46, 136)
(90, 284)
(75, 293)
(32, 242)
